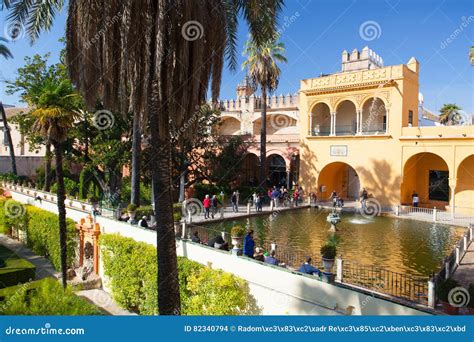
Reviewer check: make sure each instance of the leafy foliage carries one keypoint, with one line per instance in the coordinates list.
(43, 236)
(44, 297)
(131, 268)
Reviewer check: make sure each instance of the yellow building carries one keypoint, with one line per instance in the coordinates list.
(359, 128)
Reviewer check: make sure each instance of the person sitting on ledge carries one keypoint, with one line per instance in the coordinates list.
(307, 268)
(143, 223)
(195, 238)
(259, 255)
(219, 243)
(270, 259)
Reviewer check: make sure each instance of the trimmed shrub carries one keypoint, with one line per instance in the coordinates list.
(13, 216)
(44, 297)
(15, 270)
(131, 267)
(43, 236)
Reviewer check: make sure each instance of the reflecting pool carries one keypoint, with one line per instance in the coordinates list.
(400, 245)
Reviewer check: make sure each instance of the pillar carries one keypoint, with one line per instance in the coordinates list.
(431, 294)
(359, 122)
(452, 187)
(339, 269)
(333, 124)
(288, 178)
(387, 120)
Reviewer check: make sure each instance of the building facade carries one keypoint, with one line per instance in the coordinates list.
(27, 160)
(242, 116)
(359, 129)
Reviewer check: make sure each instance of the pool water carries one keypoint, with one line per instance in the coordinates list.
(401, 245)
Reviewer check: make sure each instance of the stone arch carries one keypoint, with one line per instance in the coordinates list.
(250, 169)
(340, 177)
(374, 116)
(346, 117)
(276, 169)
(427, 174)
(320, 120)
(229, 125)
(464, 193)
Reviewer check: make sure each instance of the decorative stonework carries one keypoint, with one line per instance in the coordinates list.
(89, 235)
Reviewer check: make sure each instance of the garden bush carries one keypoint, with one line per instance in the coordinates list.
(15, 270)
(43, 297)
(131, 268)
(43, 236)
(13, 216)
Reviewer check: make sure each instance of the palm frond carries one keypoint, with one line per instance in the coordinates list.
(4, 51)
(35, 15)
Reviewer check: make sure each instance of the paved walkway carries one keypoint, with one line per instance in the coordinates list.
(44, 268)
(242, 213)
(464, 274)
(104, 301)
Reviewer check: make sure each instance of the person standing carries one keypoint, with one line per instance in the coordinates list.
(233, 199)
(214, 205)
(296, 196)
(363, 198)
(415, 199)
(255, 200)
(207, 206)
(249, 244)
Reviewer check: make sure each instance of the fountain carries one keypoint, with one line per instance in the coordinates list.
(333, 218)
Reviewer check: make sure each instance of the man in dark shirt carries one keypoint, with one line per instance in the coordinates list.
(307, 268)
(271, 259)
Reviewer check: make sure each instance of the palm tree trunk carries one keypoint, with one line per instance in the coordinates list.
(136, 158)
(6, 129)
(47, 168)
(168, 285)
(61, 210)
(169, 302)
(263, 138)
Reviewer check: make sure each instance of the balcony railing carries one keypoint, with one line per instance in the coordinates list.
(321, 130)
(374, 129)
(346, 130)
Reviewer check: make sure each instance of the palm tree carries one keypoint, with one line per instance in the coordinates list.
(55, 113)
(449, 114)
(264, 73)
(5, 52)
(156, 57)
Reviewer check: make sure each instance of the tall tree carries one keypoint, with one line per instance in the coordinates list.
(55, 114)
(32, 76)
(136, 159)
(264, 73)
(450, 115)
(156, 57)
(5, 53)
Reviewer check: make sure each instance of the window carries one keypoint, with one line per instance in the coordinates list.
(410, 117)
(438, 187)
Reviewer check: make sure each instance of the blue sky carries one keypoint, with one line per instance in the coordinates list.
(315, 33)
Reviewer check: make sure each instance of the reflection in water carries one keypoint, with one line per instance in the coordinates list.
(400, 245)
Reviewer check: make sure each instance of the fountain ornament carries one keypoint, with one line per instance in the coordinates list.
(333, 218)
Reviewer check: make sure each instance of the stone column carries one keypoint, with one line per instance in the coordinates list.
(359, 122)
(333, 124)
(288, 178)
(452, 187)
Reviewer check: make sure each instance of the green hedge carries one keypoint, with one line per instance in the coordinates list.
(13, 216)
(43, 297)
(43, 236)
(131, 267)
(42, 230)
(15, 270)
